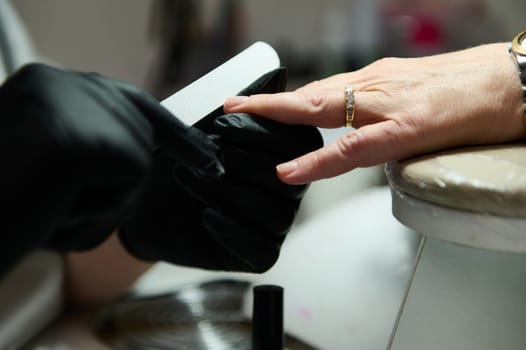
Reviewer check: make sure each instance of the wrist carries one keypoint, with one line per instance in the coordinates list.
(99, 276)
(517, 50)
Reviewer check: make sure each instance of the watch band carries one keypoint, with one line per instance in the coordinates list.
(518, 52)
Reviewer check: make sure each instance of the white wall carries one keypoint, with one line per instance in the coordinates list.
(96, 35)
(111, 36)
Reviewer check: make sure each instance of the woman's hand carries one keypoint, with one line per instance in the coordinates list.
(403, 107)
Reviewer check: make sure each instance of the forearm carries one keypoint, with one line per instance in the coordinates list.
(102, 274)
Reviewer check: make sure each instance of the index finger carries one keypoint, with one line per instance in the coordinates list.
(323, 108)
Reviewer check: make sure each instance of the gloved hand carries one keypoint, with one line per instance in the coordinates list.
(236, 222)
(76, 154)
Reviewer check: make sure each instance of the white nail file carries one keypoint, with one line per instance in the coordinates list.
(209, 92)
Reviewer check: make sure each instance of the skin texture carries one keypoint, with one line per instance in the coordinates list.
(100, 275)
(404, 107)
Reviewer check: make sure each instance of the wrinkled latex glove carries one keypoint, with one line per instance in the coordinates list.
(238, 221)
(76, 153)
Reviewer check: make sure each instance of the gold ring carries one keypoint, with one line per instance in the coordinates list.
(349, 106)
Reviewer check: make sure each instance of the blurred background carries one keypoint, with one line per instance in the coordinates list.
(158, 43)
(162, 45)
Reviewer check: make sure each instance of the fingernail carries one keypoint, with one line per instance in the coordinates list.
(235, 101)
(288, 168)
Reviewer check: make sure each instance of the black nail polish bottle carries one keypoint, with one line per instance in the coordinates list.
(267, 318)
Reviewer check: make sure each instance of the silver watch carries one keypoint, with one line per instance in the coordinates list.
(518, 51)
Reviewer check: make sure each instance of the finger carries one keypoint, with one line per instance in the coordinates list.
(371, 145)
(254, 133)
(257, 169)
(255, 252)
(253, 205)
(323, 108)
(243, 170)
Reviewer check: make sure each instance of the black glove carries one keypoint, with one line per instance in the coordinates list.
(238, 221)
(76, 153)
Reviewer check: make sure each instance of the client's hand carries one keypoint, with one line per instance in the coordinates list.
(403, 107)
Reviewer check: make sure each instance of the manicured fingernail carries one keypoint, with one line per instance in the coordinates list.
(288, 168)
(235, 101)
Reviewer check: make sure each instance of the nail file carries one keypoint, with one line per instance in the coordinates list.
(209, 92)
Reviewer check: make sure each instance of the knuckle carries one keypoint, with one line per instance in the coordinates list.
(389, 61)
(316, 103)
(349, 144)
(386, 64)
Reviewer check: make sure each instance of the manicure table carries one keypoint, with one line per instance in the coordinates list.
(469, 280)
